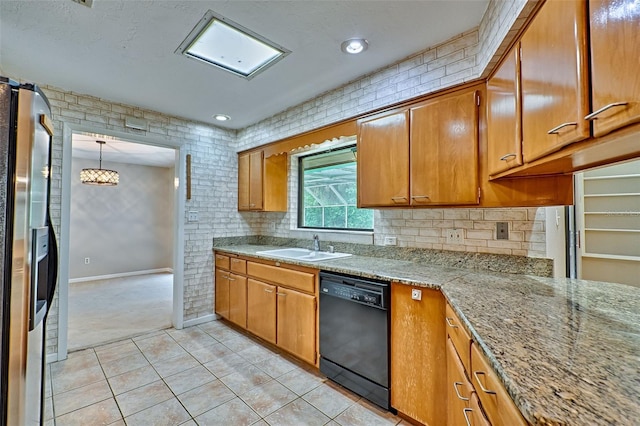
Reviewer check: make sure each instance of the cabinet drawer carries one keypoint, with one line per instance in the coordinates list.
(280, 275)
(459, 336)
(474, 414)
(495, 400)
(222, 261)
(238, 265)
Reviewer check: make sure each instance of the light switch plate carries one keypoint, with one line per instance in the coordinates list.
(192, 216)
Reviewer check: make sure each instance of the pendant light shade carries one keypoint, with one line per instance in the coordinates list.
(99, 176)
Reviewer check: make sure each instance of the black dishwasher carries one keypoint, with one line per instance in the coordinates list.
(354, 335)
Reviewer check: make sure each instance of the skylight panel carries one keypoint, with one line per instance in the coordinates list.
(222, 43)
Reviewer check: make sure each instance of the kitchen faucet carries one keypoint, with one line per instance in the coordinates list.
(316, 242)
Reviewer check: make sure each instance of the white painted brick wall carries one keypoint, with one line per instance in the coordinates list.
(214, 185)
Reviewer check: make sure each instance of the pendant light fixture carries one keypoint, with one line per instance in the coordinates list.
(99, 176)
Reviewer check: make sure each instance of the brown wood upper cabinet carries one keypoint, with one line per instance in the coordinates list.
(421, 156)
(615, 43)
(262, 182)
(504, 128)
(383, 160)
(554, 73)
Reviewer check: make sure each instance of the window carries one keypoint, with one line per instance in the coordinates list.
(328, 192)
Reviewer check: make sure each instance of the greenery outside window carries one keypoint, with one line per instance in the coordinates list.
(328, 192)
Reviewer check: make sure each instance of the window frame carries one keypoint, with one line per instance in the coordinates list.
(300, 200)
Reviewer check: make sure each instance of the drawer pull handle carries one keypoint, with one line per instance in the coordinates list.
(455, 387)
(485, 390)
(450, 323)
(594, 115)
(507, 156)
(556, 129)
(281, 294)
(236, 260)
(419, 197)
(396, 199)
(268, 291)
(464, 413)
(231, 279)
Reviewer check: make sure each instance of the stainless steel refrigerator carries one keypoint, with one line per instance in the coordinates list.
(28, 250)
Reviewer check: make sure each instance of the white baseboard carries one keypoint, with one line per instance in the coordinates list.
(52, 358)
(199, 320)
(119, 275)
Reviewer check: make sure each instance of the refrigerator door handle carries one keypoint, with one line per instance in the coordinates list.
(39, 266)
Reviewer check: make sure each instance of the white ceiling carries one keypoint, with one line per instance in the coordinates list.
(123, 50)
(119, 151)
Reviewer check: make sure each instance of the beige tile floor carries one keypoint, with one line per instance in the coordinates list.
(209, 374)
(104, 311)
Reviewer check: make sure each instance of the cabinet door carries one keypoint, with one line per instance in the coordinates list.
(495, 400)
(255, 180)
(297, 323)
(275, 183)
(238, 300)
(261, 310)
(222, 293)
(383, 161)
(554, 79)
(418, 355)
(243, 182)
(458, 388)
(504, 115)
(444, 151)
(615, 43)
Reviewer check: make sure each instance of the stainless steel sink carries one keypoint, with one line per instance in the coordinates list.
(302, 254)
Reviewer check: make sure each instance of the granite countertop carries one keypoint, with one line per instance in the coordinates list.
(567, 351)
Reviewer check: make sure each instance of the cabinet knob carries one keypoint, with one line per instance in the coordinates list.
(594, 115)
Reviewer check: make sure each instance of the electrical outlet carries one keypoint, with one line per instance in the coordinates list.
(416, 294)
(502, 230)
(390, 241)
(87, 260)
(192, 216)
(454, 236)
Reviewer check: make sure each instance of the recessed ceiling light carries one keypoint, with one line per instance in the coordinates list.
(354, 46)
(220, 42)
(221, 117)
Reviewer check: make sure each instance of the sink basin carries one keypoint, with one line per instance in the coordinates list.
(302, 254)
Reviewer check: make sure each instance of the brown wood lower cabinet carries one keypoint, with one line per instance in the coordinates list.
(238, 300)
(222, 293)
(459, 389)
(261, 309)
(275, 302)
(418, 356)
(297, 323)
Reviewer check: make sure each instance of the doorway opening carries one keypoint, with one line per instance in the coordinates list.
(121, 245)
(607, 216)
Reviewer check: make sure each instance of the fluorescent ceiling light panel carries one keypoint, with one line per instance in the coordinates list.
(221, 42)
